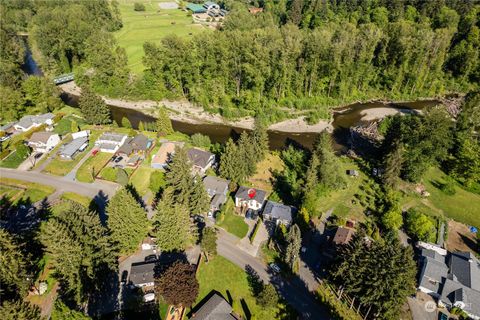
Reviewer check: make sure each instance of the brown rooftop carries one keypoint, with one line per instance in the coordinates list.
(343, 235)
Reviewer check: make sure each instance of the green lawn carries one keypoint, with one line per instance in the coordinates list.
(151, 25)
(233, 223)
(12, 161)
(24, 190)
(83, 200)
(463, 206)
(221, 275)
(141, 179)
(91, 167)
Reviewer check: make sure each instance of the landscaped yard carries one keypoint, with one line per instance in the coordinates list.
(93, 165)
(223, 276)
(233, 223)
(151, 25)
(262, 179)
(17, 189)
(12, 161)
(141, 179)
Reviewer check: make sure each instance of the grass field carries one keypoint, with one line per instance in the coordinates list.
(91, 167)
(463, 206)
(141, 179)
(232, 222)
(151, 25)
(221, 275)
(84, 201)
(17, 189)
(12, 161)
(262, 179)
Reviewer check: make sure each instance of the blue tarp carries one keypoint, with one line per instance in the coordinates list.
(473, 229)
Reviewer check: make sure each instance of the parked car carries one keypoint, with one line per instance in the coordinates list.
(94, 152)
(151, 258)
(149, 297)
(124, 276)
(118, 159)
(113, 158)
(275, 268)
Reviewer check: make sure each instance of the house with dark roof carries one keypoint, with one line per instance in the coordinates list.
(70, 150)
(453, 278)
(249, 198)
(137, 145)
(217, 189)
(278, 213)
(43, 141)
(215, 308)
(201, 160)
(142, 274)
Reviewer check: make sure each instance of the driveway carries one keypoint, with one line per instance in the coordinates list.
(72, 174)
(294, 291)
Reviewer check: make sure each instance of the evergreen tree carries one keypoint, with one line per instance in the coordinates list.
(127, 221)
(61, 312)
(94, 109)
(209, 241)
(380, 274)
(126, 123)
(172, 223)
(294, 242)
(141, 127)
(229, 163)
(178, 285)
(393, 166)
(259, 140)
(179, 177)
(199, 202)
(311, 176)
(19, 310)
(268, 297)
(329, 170)
(163, 123)
(13, 268)
(246, 161)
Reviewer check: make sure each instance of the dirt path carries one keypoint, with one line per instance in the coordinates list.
(460, 238)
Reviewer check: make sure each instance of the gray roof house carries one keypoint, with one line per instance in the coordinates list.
(201, 160)
(250, 198)
(28, 122)
(110, 142)
(279, 213)
(216, 308)
(217, 189)
(69, 150)
(136, 145)
(142, 274)
(453, 279)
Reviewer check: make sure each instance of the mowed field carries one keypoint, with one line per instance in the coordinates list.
(150, 25)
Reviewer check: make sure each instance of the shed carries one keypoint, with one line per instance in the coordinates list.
(196, 8)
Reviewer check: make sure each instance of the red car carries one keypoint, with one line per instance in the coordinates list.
(94, 152)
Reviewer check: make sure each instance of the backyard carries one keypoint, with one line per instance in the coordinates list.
(231, 222)
(91, 167)
(231, 282)
(150, 25)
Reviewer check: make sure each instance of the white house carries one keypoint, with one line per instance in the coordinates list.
(43, 141)
(209, 5)
(250, 198)
(110, 142)
(29, 122)
(81, 134)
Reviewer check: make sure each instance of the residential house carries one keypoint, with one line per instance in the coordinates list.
(110, 142)
(209, 5)
(278, 213)
(201, 160)
(29, 122)
(196, 8)
(43, 141)
(255, 10)
(137, 145)
(217, 189)
(70, 150)
(452, 278)
(8, 128)
(163, 156)
(249, 198)
(81, 134)
(215, 308)
(343, 235)
(142, 274)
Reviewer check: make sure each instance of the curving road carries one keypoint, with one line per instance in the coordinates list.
(61, 184)
(294, 291)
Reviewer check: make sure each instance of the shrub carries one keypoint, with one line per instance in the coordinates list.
(420, 226)
(201, 141)
(448, 187)
(138, 6)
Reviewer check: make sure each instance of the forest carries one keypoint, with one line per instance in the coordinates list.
(304, 55)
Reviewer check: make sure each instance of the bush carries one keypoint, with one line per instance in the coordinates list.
(420, 226)
(448, 187)
(219, 217)
(138, 6)
(201, 141)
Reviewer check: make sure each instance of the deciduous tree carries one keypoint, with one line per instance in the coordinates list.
(178, 284)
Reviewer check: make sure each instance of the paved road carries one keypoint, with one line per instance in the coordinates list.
(294, 291)
(61, 184)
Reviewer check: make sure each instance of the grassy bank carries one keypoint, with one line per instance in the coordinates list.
(151, 25)
(17, 190)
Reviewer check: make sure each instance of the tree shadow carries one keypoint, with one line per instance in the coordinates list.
(133, 191)
(229, 297)
(254, 281)
(101, 201)
(472, 245)
(245, 309)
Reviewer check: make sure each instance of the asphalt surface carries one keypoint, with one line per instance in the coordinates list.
(62, 185)
(295, 291)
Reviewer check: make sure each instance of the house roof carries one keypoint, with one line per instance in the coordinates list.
(41, 137)
(279, 211)
(113, 137)
(162, 155)
(70, 148)
(217, 200)
(141, 273)
(27, 121)
(215, 185)
(242, 193)
(216, 308)
(434, 272)
(199, 157)
(196, 8)
(343, 235)
(108, 146)
(138, 143)
(432, 254)
(6, 126)
(466, 267)
(453, 291)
